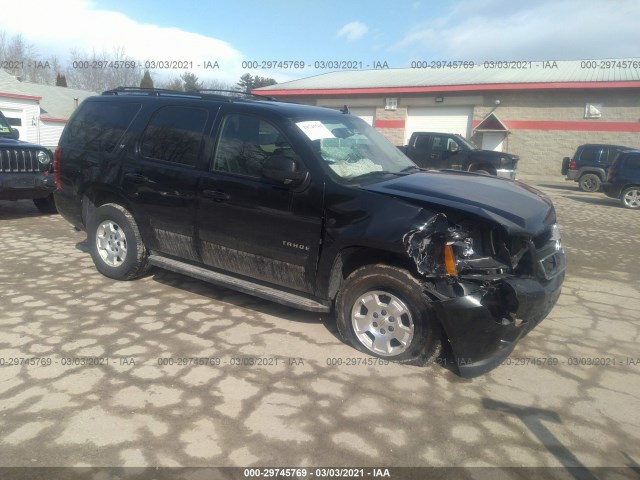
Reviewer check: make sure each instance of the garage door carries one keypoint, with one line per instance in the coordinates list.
(365, 113)
(438, 119)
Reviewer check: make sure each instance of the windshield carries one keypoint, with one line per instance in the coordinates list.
(352, 148)
(5, 129)
(470, 145)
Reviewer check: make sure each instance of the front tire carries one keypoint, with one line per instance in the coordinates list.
(630, 197)
(589, 182)
(115, 243)
(381, 311)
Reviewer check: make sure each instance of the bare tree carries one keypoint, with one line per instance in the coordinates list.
(21, 60)
(101, 71)
(173, 83)
(219, 85)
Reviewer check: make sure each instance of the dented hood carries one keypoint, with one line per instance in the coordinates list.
(516, 206)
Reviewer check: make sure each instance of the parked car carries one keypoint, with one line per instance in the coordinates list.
(589, 165)
(450, 151)
(623, 180)
(315, 209)
(25, 170)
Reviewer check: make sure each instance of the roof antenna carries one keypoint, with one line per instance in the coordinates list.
(345, 110)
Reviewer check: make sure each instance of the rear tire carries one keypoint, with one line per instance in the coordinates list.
(115, 243)
(589, 182)
(381, 311)
(630, 197)
(46, 204)
(565, 165)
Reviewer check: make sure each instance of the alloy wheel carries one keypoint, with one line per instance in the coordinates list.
(382, 323)
(111, 243)
(631, 198)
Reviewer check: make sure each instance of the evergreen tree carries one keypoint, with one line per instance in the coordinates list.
(146, 81)
(248, 82)
(61, 80)
(263, 82)
(190, 81)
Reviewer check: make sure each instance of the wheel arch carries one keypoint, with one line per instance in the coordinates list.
(597, 171)
(474, 167)
(351, 258)
(97, 195)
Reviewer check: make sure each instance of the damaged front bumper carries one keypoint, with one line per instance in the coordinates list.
(483, 327)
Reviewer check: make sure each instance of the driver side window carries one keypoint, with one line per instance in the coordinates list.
(452, 145)
(245, 142)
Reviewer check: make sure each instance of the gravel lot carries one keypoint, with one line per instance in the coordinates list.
(271, 390)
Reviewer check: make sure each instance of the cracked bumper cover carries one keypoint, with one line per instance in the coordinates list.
(481, 335)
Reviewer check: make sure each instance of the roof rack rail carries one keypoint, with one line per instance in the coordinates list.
(199, 93)
(148, 91)
(205, 91)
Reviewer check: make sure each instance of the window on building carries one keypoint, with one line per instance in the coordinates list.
(391, 103)
(174, 135)
(593, 110)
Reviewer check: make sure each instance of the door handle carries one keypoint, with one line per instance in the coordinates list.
(174, 193)
(434, 155)
(137, 177)
(216, 195)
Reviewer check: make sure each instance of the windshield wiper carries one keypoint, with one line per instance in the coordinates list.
(412, 167)
(379, 172)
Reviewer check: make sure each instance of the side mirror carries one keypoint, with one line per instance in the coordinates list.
(15, 134)
(453, 147)
(283, 169)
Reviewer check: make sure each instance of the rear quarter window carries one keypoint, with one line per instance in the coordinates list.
(590, 154)
(99, 126)
(632, 164)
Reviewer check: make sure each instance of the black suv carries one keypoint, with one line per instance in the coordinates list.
(451, 151)
(25, 170)
(311, 208)
(623, 180)
(589, 165)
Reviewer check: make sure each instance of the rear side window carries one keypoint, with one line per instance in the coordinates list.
(422, 142)
(174, 135)
(590, 154)
(615, 153)
(632, 164)
(99, 126)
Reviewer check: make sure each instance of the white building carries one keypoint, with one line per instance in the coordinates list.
(38, 112)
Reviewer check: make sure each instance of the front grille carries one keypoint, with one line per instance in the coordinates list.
(541, 256)
(18, 160)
